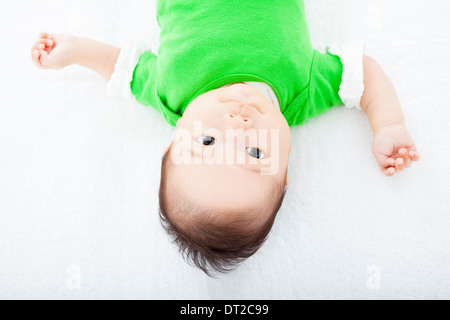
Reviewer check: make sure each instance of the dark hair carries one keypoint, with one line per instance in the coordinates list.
(207, 241)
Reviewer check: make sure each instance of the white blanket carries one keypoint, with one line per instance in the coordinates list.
(79, 171)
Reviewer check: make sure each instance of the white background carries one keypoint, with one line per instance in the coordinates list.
(79, 171)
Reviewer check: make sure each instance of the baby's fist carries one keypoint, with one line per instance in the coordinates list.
(394, 149)
(53, 51)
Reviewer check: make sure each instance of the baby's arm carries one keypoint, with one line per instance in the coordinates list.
(60, 50)
(393, 146)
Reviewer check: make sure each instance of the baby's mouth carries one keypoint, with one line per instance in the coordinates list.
(250, 94)
(246, 109)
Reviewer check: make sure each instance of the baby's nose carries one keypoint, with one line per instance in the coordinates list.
(234, 120)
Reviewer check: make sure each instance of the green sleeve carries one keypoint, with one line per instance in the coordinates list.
(144, 84)
(325, 80)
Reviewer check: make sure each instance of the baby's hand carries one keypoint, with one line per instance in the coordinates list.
(394, 149)
(53, 51)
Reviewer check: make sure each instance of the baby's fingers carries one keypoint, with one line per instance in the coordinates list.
(35, 57)
(387, 166)
(395, 166)
(405, 156)
(399, 164)
(390, 166)
(414, 155)
(42, 44)
(45, 58)
(389, 171)
(41, 47)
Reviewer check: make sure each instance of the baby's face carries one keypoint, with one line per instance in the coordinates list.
(230, 147)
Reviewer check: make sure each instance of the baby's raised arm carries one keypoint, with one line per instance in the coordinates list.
(393, 147)
(56, 51)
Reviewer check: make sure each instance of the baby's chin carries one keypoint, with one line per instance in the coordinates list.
(245, 93)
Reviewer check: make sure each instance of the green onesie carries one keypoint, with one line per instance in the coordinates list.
(205, 45)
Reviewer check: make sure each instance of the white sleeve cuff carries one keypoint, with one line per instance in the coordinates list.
(119, 83)
(352, 85)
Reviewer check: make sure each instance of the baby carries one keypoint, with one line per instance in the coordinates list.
(233, 76)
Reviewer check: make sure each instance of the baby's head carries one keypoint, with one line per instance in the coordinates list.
(223, 177)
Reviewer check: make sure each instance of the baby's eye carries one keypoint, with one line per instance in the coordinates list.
(255, 153)
(206, 140)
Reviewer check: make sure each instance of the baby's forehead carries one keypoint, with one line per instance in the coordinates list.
(221, 185)
(231, 172)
